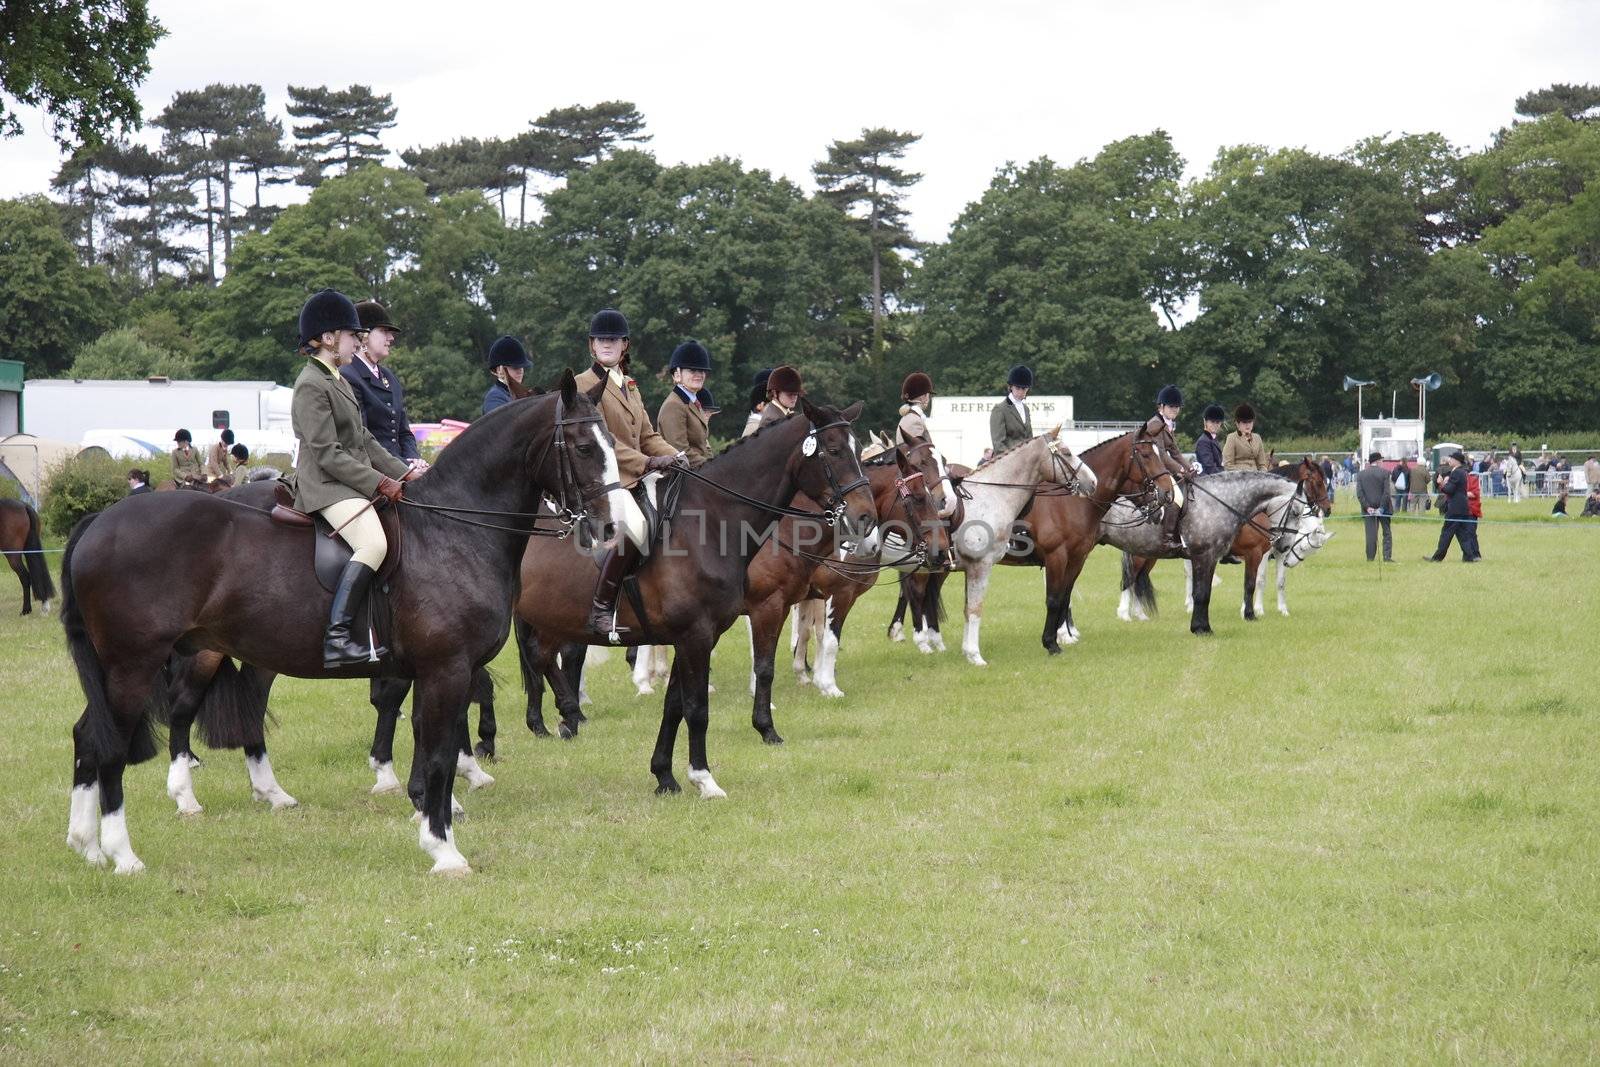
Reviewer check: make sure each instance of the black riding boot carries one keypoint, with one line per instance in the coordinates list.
(339, 649)
(1170, 514)
(615, 565)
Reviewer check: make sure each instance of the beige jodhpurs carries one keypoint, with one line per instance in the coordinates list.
(364, 535)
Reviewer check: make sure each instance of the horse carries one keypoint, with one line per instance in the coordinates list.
(690, 588)
(19, 541)
(1218, 505)
(128, 603)
(789, 569)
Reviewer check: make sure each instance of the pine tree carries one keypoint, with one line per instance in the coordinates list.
(154, 185)
(580, 136)
(84, 182)
(345, 127)
(862, 172)
(465, 164)
(261, 154)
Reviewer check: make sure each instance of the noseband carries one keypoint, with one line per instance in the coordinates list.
(574, 499)
(833, 508)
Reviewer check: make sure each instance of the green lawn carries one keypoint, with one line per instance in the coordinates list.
(1366, 833)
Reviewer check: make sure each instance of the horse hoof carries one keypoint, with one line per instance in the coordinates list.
(279, 800)
(830, 691)
(897, 632)
(567, 730)
(131, 865)
(802, 677)
(188, 807)
(669, 787)
(770, 736)
(709, 789)
(540, 730)
(579, 716)
(483, 751)
(645, 690)
(977, 660)
(1054, 650)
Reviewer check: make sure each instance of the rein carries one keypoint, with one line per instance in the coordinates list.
(833, 508)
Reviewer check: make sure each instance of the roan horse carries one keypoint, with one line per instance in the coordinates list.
(128, 603)
(802, 560)
(691, 585)
(19, 540)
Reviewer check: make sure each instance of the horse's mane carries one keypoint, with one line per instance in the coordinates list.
(831, 413)
(1102, 444)
(1000, 455)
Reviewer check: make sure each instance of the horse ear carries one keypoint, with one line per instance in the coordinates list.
(901, 461)
(851, 413)
(810, 411)
(569, 387)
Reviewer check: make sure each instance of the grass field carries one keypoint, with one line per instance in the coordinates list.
(1363, 834)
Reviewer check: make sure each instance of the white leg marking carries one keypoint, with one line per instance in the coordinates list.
(709, 789)
(1125, 606)
(1261, 585)
(467, 767)
(447, 859)
(114, 839)
(180, 786)
(83, 823)
(828, 657)
(936, 641)
(1188, 585)
(1283, 597)
(264, 785)
(387, 783)
(897, 632)
(641, 671)
(455, 806)
(583, 680)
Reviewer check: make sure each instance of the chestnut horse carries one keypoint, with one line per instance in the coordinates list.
(129, 602)
(19, 540)
(691, 585)
(789, 568)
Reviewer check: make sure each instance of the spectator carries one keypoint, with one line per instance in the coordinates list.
(1327, 475)
(1452, 482)
(1591, 504)
(1513, 471)
(1591, 473)
(1560, 509)
(1401, 477)
(138, 482)
(1372, 493)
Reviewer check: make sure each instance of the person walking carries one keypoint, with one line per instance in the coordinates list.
(1452, 482)
(340, 468)
(684, 418)
(1244, 449)
(378, 389)
(1010, 423)
(1372, 493)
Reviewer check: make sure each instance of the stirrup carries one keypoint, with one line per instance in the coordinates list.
(612, 633)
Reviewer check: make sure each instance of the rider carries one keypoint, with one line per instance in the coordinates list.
(508, 362)
(1010, 422)
(1244, 450)
(784, 391)
(1207, 452)
(640, 449)
(217, 457)
(758, 401)
(685, 415)
(341, 466)
(1165, 421)
(917, 392)
(185, 459)
(379, 388)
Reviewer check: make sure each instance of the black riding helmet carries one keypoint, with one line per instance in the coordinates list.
(608, 323)
(327, 311)
(691, 355)
(508, 352)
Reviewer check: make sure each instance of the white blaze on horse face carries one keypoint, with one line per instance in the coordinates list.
(83, 823)
(467, 767)
(180, 785)
(114, 840)
(264, 784)
(709, 789)
(618, 499)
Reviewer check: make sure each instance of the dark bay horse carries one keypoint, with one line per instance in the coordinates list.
(129, 602)
(693, 582)
(788, 570)
(19, 540)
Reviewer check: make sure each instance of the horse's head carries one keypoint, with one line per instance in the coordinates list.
(1314, 485)
(936, 476)
(914, 505)
(1063, 468)
(1295, 546)
(828, 470)
(577, 464)
(1147, 463)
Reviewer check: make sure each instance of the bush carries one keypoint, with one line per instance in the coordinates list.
(81, 485)
(9, 490)
(123, 354)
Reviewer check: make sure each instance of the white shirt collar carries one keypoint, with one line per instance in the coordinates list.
(1022, 405)
(371, 366)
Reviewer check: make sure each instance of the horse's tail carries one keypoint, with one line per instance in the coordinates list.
(1136, 577)
(97, 733)
(233, 712)
(33, 559)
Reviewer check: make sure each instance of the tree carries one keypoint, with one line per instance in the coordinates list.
(345, 127)
(83, 180)
(578, 137)
(80, 61)
(50, 303)
(1576, 102)
(123, 354)
(261, 154)
(203, 128)
(154, 186)
(862, 172)
(465, 164)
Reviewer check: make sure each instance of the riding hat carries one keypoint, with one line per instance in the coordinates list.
(183, 435)
(373, 315)
(1244, 413)
(508, 352)
(785, 380)
(1020, 377)
(327, 311)
(1213, 413)
(708, 403)
(227, 437)
(608, 323)
(758, 387)
(916, 384)
(691, 355)
(1169, 396)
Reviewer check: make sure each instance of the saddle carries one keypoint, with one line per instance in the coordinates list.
(659, 503)
(329, 554)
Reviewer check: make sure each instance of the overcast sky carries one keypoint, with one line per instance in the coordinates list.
(983, 83)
